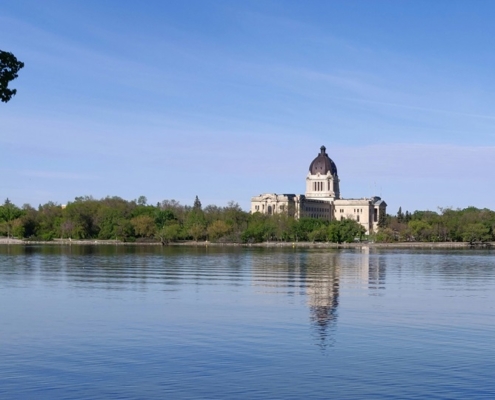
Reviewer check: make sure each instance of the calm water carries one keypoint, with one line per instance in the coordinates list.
(152, 322)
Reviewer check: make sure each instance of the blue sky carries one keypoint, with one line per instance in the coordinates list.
(227, 100)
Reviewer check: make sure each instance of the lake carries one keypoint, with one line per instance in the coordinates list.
(150, 322)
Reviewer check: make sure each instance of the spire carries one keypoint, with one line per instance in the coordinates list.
(322, 148)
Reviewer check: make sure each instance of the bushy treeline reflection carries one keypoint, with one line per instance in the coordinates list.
(113, 218)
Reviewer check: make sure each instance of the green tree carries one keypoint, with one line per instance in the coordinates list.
(333, 232)
(49, 218)
(195, 223)
(84, 213)
(235, 216)
(70, 229)
(29, 220)
(259, 229)
(382, 219)
(476, 232)
(218, 229)
(196, 231)
(421, 230)
(18, 228)
(351, 230)
(319, 234)
(169, 233)
(144, 225)
(8, 213)
(162, 217)
(197, 204)
(385, 235)
(301, 228)
(9, 68)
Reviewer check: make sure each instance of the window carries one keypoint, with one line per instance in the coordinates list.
(357, 219)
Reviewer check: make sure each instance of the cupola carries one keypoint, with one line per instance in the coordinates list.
(322, 164)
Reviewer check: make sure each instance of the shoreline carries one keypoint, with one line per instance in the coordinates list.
(329, 245)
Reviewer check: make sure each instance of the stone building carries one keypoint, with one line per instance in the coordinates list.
(322, 198)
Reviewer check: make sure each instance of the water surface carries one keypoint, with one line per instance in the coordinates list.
(220, 323)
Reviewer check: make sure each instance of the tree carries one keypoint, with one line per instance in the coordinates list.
(400, 216)
(420, 230)
(196, 230)
(476, 232)
(197, 204)
(144, 225)
(8, 213)
(382, 219)
(169, 233)
(218, 229)
(350, 230)
(9, 67)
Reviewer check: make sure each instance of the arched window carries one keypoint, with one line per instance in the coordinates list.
(269, 210)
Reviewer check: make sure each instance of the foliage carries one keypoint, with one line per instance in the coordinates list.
(168, 221)
(9, 68)
(144, 226)
(169, 233)
(469, 225)
(218, 229)
(9, 213)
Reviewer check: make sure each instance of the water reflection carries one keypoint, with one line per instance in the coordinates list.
(312, 275)
(322, 291)
(313, 278)
(245, 323)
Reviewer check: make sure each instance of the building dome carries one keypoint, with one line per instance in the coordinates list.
(322, 164)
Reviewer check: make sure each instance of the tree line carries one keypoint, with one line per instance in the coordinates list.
(470, 224)
(113, 218)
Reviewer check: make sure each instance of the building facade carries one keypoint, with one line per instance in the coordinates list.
(322, 199)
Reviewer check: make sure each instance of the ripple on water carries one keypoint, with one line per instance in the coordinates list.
(131, 322)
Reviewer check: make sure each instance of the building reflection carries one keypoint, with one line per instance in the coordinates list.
(322, 291)
(376, 275)
(317, 276)
(311, 276)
